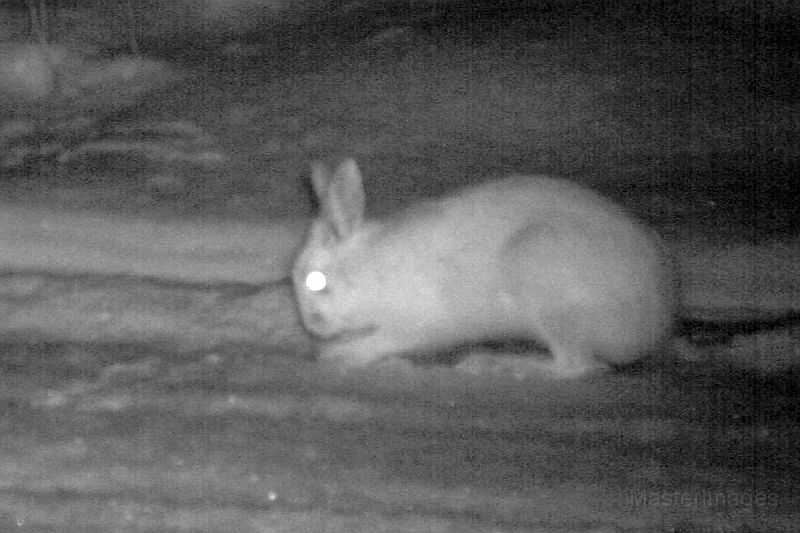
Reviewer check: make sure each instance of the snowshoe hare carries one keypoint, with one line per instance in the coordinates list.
(526, 257)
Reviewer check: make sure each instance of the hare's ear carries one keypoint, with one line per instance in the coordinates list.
(341, 196)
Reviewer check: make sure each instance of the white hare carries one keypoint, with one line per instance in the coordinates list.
(525, 257)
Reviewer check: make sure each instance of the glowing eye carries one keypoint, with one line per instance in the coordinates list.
(315, 281)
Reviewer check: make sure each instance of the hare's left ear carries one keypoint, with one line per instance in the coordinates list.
(341, 196)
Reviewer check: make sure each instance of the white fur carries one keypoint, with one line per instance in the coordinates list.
(525, 257)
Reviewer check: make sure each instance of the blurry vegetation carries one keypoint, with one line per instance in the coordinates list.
(433, 91)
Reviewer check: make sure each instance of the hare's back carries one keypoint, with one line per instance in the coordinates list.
(508, 205)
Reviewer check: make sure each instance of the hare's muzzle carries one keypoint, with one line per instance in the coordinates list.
(316, 324)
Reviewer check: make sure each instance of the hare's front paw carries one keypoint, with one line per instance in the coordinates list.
(526, 366)
(358, 352)
(347, 358)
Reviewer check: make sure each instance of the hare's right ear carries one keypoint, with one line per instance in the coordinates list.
(341, 196)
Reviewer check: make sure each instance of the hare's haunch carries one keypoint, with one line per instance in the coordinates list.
(524, 257)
